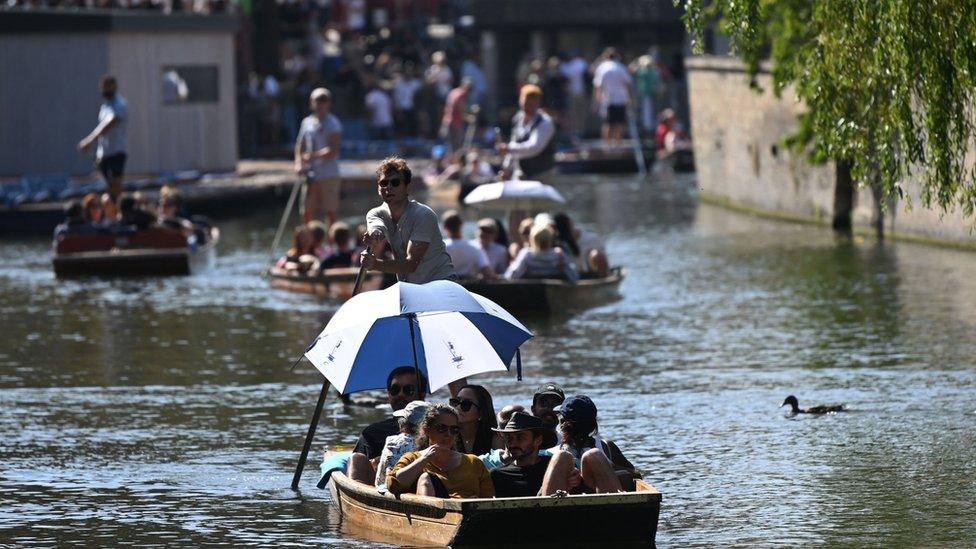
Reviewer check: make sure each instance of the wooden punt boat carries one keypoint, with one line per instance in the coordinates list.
(549, 295)
(155, 252)
(599, 160)
(680, 160)
(622, 519)
(328, 284)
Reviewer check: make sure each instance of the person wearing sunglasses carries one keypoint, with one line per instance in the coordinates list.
(402, 387)
(409, 227)
(476, 417)
(437, 469)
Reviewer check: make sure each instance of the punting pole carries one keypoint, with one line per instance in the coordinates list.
(283, 222)
(318, 405)
(635, 139)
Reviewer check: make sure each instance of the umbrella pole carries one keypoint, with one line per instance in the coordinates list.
(413, 346)
(318, 405)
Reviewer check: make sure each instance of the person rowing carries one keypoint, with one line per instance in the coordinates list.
(409, 227)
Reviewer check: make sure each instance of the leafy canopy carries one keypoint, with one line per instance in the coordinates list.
(888, 84)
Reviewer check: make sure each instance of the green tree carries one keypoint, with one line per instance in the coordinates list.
(888, 85)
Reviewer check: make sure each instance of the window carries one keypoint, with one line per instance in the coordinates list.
(190, 84)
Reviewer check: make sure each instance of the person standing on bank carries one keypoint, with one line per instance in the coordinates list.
(411, 229)
(110, 133)
(317, 157)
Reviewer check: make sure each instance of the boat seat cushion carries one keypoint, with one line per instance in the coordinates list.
(335, 461)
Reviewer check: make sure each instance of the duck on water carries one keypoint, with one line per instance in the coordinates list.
(818, 410)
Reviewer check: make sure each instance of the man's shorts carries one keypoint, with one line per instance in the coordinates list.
(321, 196)
(616, 114)
(112, 165)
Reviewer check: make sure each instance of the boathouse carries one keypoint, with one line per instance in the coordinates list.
(175, 70)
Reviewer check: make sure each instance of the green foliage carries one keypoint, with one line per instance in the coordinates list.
(888, 84)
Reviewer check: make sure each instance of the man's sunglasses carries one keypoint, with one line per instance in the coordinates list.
(384, 183)
(408, 390)
(441, 428)
(463, 405)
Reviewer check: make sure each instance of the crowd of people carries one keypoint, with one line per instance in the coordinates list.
(463, 449)
(129, 214)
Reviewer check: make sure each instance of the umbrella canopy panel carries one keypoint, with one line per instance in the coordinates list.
(514, 194)
(469, 335)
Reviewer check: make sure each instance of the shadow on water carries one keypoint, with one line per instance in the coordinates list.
(164, 411)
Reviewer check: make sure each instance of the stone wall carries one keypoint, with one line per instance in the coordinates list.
(740, 159)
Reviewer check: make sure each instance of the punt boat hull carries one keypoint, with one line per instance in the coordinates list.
(330, 284)
(549, 295)
(628, 518)
(124, 261)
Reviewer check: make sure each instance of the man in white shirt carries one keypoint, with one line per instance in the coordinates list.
(380, 109)
(575, 70)
(110, 133)
(486, 240)
(469, 260)
(532, 144)
(405, 87)
(613, 84)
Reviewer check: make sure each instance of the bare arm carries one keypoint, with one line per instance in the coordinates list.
(415, 254)
(99, 130)
(331, 150)
(401, 477)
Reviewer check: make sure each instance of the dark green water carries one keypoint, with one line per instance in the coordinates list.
(164, 412)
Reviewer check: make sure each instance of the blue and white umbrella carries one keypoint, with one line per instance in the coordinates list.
(440, 328)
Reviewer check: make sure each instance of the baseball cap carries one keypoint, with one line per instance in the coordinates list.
(549, 388)
(414, 411)
(578, 409)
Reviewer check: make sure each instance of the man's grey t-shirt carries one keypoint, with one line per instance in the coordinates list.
(113, 140)
(314, 135)
(418, 223)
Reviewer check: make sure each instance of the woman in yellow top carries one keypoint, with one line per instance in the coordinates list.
(437, 469)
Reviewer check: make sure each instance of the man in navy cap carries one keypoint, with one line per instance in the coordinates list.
(603, 467)
(545, 399)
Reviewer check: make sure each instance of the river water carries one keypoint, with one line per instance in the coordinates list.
(164, 412)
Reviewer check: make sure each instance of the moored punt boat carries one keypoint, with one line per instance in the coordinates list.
(680, 160)
(627, 518)
(599, 160)
(155, 252)
(548, 295)
(330, 284)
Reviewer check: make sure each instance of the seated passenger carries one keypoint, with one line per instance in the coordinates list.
(522, 238)
(401, 443)
(300, 257)
(476, 417)
(487, 241)
(524, 475)
(93, 209)
(75, 222)
(469, 260)
(341, 255)
(170, 204)
(319, 232)
(540, 260)
(401, 389)
(584, 247)
(110, 209)
(131, 216)
(437, 469)
(610, 469)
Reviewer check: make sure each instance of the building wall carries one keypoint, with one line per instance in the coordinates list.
(49, 96)
(739, 156)
(162, 137)
(49, 100)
